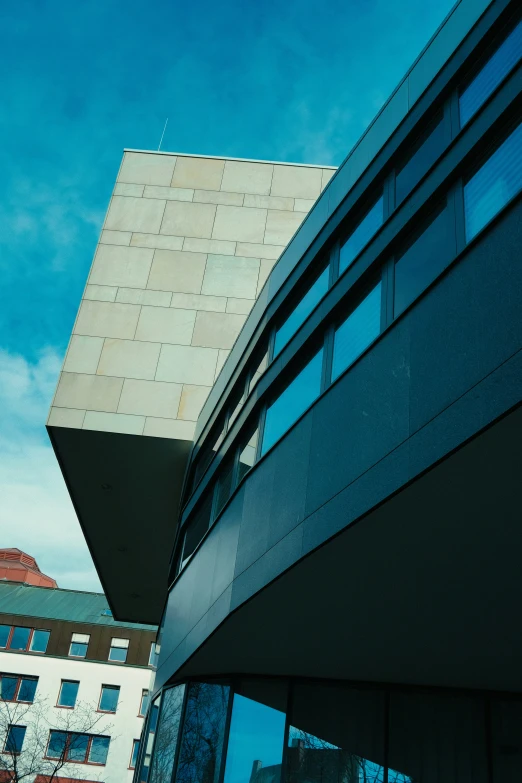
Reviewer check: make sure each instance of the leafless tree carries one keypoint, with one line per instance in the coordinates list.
(39, 719)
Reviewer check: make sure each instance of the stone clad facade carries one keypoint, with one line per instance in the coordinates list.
(185, 249)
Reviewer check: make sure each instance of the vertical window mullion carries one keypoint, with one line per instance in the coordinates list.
(326, 377)
(9, 638)
(261, 427)
(388, 279)
(389, 196)
(452, 109)
(448, 119)
(334, 263)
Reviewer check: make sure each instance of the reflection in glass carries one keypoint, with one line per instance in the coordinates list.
(224, 485)
(314, 760)
(196, 529)
(19, 638)
(255, 745)
(149, 742)
(203, 733)
(256, 375)
(359, 238)
(492, 74)
(499, 179)
(293, 402)
(301, 312)
(39, 641)
(99, 750)
(27, 689)
(8, 687)
(68, 693)
(167, 735)
(425, 258)
(422, 156)
(247, 457)
(77, 746)
(360, 328)
(5, 630)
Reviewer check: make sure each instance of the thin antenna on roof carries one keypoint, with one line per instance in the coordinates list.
(159, 146)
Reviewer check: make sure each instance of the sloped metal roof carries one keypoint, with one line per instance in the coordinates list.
(56, 604)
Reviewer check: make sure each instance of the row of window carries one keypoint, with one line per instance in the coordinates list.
(421, 155)
(21, 639)
(67, 746)
(22, 688)
(420, 260)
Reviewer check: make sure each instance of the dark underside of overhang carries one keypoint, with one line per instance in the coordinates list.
(425, 589)
(126, 491)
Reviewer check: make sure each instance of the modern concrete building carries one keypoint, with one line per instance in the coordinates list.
(72, 678)
(342, 597)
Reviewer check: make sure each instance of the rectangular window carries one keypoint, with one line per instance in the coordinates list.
(144, 704)
(422, 155)
(196, 529)
(119, 649)
(153, 655)
(224, 485)
(5, 630)
(361, 327)
(499, 65)
(81, 748)
(68, 693)
(99, 750)
(20, 638)
(247, 456)
(39, 641)
(301, 312)
(79, 645)
(134, 753)
(496, 183)
(57, 744)
(77, 746)
(109, 698)
(425, 257)
(14, 739)
(16, 687)
(360, 237)
(292, 403)
(27, 689)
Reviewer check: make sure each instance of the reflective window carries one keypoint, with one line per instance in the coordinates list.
(27, 689)
(79, 644)
(5, 630)
(437, 739)
(134, 753)
(167, 735)
(20, 638)
(39, 641)
(99, 750)
(196, 529)
(258, 372)
(109, 698)
(293, 402)
(203, 733)
(224, 485)
(57, 744)
(9, 687)
(301, 312)
(359, 238)
(77, 746)
(15, 687)
(144, 705)
(247, 456)
(492, 74)
(14, 739)
(118, 650)
(153, 655)
(255, 745)
(361, 327)
(149, 743)
(425, 257)
(422, 155)
(499, 179)
(68, 693)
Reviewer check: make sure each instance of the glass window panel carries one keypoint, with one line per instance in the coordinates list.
(117, 642)
(424, 154)
(57, 742)
(5, 630)
(336, 734)
(77, 745)
(203, 733)
(499, 179)
(196, 529)
(426, 257)
(234, 413)
(224, 485)
(109, 698)
(492, 74)
(8, 686)
(15, 739)
(68, 693)
(144, 702)
(293, 402)
(361, 327)
(153, 655)
(506, 740)
(78, 650)
(359, 238)
(167, 735)
(301, 312)
(437, 739)
(27, 689)
(20, 638)
(39, 641)
(134, 754)
(255, 745)
(81, 637)
(149, 743)
(256, 375)
(118, 654)
(99, 750)
(247, 456)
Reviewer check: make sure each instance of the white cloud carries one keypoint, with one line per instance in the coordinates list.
(36, 513)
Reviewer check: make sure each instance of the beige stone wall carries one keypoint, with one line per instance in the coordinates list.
(186, 246)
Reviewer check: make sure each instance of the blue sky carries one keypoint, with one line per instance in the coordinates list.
(294, 81)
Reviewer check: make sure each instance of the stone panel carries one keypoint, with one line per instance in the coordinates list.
(157, 241)
(219, 246)
(177, 271)
(150, 398)
(88, 392)
(247, 177)
(296, 181)
(217, 304)
(222, 357)
(126, 266)
(187, 364)
(135, 214)
(270, 202)
(121, 189)
(168, 428)
(281, 226)
(219, 197)
(188, 219)
(265, 268)
(66, 417)
(192, 400)
(166, 325)
(83, 354)
(249, 250)
(103, 293)
(129, 358)
(240, 306)
(107, 319)
(217, 330)
(115, 237)
(231, 276)
(170, 194)
(114, 422)
(140, 297)
(303, 204)
(241, 224)
(201, 173)
(147, 169)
